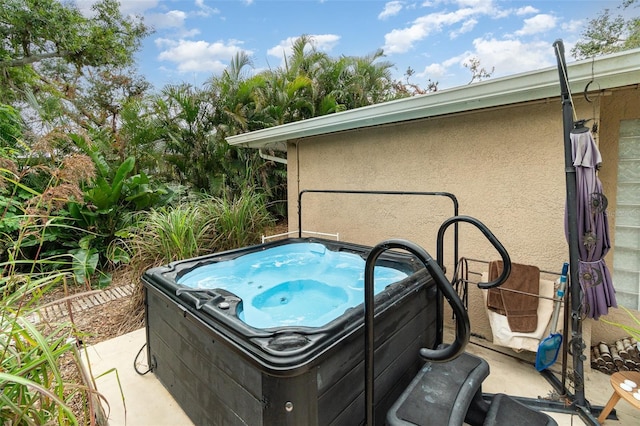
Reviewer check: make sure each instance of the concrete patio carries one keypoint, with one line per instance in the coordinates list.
(136, 400)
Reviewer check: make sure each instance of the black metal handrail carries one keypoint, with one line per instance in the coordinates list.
(463, 328)
(436, 269)
(450, 196)
(506, 260)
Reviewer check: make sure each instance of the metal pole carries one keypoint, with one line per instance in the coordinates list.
(577, 343)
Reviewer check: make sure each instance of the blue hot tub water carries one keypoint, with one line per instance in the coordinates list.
(301, 284)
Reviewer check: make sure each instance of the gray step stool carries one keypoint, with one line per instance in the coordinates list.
(450, 393)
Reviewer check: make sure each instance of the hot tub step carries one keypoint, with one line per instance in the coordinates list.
(507, 411)
(440, 391)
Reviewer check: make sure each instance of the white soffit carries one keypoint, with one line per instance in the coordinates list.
(616, 70)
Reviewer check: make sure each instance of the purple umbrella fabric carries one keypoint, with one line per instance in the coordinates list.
(593, 228)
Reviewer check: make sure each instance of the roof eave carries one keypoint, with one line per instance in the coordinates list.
(616, 70)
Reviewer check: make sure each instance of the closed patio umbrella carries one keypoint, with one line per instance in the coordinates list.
(593, 226)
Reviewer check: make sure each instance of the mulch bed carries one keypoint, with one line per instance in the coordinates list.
(94, 325)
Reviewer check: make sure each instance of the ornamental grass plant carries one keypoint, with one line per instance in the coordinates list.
(240, 221)
(42, 377)
(632, 330)
(194, 227)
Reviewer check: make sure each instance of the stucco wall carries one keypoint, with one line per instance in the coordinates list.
(505, 166)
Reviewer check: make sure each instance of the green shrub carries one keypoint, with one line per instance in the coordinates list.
(172, 233)
(240, 221)
(72, 203)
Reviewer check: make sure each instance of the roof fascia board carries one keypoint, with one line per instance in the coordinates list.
(616, 70)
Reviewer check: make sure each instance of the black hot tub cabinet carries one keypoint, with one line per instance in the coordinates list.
(224, 372)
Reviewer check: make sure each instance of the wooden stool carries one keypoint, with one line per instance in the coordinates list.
(618, 392)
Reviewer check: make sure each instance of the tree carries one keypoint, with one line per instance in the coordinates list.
(608, 33)
(48, 42)
(369, 80)
(68, 71)
(407, 88)
(100, 97)
(478, 73)
(185, 114)
(296, 91)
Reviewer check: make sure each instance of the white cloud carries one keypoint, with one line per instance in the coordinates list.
(402, 40)
(325, 42)
(433, 72)
(204, 10)
(391, 8)
(322, 42)
(183, 33)
(441, 70)
(171, 19)
(466, 27)
(505, 56)
(573, 26)
(512, 56)
(527, 10)
(521, 11)
(199, 56)
(476, 4)
(538, 24)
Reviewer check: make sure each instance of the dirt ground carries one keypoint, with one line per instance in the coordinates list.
(107, 320)
(93, 325)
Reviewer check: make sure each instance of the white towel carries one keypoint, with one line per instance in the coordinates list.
(502, 334)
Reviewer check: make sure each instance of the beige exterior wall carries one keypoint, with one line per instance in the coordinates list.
(505, 166)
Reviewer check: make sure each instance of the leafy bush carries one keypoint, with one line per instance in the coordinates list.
(240, 221)
(85, 200)
(102, 213)
(172, 233)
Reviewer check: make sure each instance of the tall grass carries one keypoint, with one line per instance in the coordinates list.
(34, 389)
(194, 228)
(160, 236)
(163, 235)
(240, 221)
(632, 330)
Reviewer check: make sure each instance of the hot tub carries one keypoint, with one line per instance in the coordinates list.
(273, 334)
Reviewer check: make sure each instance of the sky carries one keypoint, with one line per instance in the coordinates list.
(195, 39)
